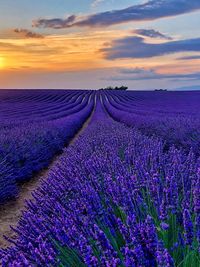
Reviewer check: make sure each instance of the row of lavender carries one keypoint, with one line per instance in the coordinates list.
(40, 106)
(116, 198)
(28, 144)
(174, 116)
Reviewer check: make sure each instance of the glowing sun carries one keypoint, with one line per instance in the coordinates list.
(1, 62)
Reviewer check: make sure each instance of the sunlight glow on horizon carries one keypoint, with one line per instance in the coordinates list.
(2, 64)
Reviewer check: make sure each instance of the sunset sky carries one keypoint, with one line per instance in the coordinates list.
(95, 43)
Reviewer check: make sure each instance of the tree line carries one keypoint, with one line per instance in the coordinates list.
(115, 88)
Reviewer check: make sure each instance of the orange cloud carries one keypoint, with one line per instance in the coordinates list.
(77, 52)
(57, 52)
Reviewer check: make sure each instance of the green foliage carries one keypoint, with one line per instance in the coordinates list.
(123, 88)
(68, 257)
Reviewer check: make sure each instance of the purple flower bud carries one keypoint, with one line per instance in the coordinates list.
(164, 226)
(188, 227)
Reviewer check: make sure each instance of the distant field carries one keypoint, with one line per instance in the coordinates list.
(124, 192)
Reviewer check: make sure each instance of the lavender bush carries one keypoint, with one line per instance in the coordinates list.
(115, 198)
(174, 116)
(27, 147)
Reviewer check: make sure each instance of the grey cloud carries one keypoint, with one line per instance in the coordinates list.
(136, 47)
(27, 34)
(189, 57)
(54, 23)
(150, 10)
(151, 33)
(137, 71)
(136, 74)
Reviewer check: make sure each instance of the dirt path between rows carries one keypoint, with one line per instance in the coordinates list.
(11, 212)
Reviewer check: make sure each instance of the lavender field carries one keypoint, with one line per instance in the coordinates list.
(125, 189)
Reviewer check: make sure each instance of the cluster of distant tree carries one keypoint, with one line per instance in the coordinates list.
(115, 88)
(160, 90)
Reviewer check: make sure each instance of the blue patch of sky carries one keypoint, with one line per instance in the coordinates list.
(182, 26)
(20, 13)
(107, 5)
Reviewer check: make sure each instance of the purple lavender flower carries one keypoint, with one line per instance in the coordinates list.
(188, 227)
(163, 257)
(103, 202)
(164, 226)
